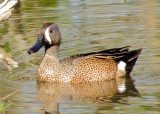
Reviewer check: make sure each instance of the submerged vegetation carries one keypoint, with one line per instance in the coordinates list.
(3, 107)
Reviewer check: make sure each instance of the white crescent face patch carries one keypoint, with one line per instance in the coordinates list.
(48, 36)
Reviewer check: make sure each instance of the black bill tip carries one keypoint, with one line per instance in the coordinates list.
(29, 52)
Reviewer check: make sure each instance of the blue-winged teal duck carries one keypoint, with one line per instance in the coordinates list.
(94, 66)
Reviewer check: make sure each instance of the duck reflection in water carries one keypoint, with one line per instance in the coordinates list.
(111, 91)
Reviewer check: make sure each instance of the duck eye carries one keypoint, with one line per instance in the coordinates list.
(50, 31)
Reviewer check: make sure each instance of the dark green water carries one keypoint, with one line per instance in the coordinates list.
(85, 25)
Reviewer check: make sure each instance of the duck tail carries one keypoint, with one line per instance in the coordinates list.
(127, 62)
(131, 59)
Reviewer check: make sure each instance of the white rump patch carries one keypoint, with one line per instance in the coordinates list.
(121, 66)
(47, 35)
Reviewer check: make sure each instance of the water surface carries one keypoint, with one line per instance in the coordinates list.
(85, 25)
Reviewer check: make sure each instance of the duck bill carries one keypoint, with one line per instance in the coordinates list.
(36, 46)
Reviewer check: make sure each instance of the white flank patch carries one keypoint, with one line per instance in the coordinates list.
(121, 66)
(47, 35)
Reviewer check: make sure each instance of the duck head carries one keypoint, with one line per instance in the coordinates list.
(49, 35)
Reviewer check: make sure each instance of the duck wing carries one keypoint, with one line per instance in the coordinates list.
(116, 54)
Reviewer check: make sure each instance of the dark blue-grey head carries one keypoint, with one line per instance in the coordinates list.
(49, 35)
